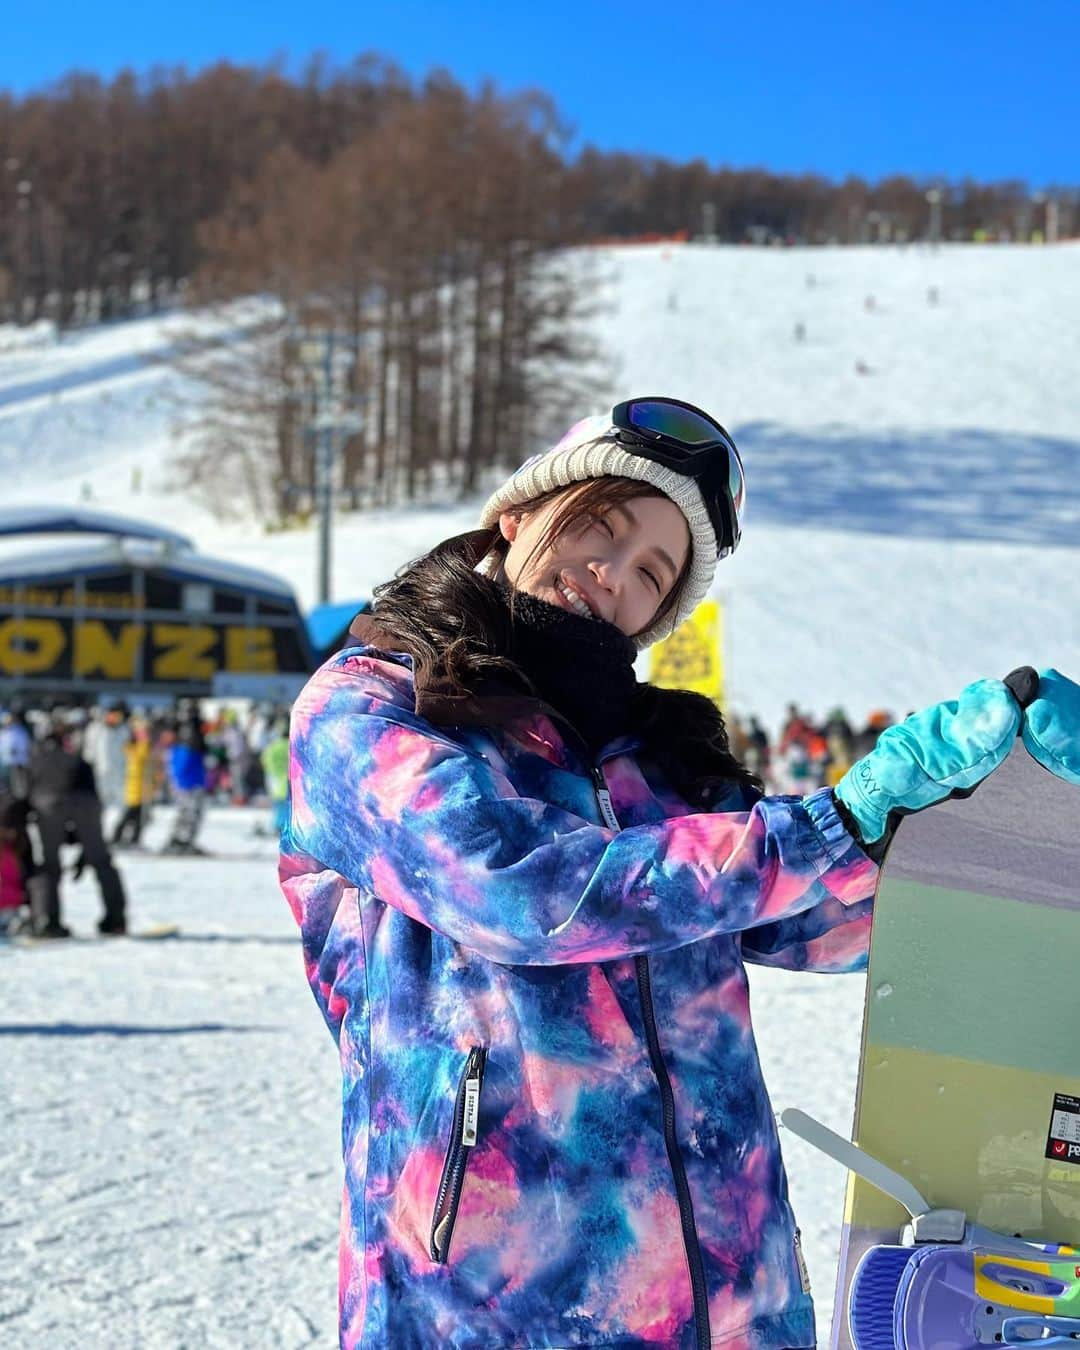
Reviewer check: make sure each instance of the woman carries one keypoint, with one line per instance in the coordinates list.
(527, 885)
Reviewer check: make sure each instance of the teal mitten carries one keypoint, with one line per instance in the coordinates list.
(943, 751)
(1052, 726)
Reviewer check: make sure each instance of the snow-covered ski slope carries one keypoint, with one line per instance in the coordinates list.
(169, 1172)
(909, 528)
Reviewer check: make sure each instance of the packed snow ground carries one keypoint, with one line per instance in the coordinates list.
(170, 1167)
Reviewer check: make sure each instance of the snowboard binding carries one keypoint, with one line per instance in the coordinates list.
(987, 1290)
(949, 1284)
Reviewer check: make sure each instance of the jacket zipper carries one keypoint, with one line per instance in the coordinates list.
(463, 1134)
(667, 1098)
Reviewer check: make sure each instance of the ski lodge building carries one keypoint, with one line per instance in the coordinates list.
(136, 613)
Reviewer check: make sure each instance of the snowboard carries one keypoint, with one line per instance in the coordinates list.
(969, 1077)
(151, 933)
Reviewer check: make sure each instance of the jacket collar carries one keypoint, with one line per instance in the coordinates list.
(500, 703)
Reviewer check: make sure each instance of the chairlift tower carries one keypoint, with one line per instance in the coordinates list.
(323, 353)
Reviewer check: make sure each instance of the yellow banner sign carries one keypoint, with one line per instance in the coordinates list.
(692, 658)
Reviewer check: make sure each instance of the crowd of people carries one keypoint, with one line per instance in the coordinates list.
(807, 754)
(90, 779)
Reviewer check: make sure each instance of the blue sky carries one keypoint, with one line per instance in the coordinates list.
(982, 89)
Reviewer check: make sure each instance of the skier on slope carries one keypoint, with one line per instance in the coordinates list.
(527, 885)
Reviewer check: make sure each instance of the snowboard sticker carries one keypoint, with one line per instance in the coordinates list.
(969, 1077)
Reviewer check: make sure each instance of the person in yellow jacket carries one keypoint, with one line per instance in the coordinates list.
(840, 758)
(138, 784)
(275, 765)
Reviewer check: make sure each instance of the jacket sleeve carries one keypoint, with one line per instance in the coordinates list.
(831, 938)
(433, 829)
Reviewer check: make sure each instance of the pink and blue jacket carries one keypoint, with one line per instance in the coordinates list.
(554, 1125)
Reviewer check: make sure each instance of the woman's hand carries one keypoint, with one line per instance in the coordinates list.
(1052, 726)
(944, 751)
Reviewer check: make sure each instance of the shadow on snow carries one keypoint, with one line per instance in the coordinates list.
(953, 484)
(119, 1029)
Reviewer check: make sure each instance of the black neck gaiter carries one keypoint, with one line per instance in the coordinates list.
(583, 667)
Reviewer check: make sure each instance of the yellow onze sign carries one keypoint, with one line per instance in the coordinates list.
(29, 646)
(98, 653)
(171, 651)
(691, 658)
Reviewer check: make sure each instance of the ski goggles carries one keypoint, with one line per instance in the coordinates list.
(682, 437)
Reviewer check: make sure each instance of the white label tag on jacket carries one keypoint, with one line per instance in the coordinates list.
(804, 1274)
(611, 820)
(472, 1112)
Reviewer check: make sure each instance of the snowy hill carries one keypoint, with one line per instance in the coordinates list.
(909, 528)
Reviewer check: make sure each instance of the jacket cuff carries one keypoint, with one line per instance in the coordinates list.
(852, 870)
(836, 835)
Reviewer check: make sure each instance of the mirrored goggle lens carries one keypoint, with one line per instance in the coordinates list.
(667, 419)
(736, 481)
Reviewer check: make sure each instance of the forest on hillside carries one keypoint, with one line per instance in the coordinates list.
(418, 228)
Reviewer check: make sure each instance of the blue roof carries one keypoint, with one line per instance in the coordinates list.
(110, 554)
(78, 520)
(326, 622)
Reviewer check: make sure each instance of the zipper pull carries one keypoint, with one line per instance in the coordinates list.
(603, 797)
(440, 1234)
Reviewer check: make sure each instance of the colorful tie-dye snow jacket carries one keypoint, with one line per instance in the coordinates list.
(555, 1129)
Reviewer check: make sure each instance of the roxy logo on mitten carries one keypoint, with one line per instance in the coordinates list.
(1063, 1138)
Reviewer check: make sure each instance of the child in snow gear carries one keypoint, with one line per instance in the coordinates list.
(527, 887)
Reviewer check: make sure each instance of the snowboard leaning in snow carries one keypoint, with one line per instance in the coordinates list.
(152, 933)
(969, 1077)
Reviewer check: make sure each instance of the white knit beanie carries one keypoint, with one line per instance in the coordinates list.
(589, 450)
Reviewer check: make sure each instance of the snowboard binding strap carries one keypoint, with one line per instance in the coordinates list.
(948, 1284)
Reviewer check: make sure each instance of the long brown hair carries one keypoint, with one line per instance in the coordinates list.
(457, 627)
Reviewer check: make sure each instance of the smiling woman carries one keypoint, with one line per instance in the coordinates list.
(527, 887)
(526, 883)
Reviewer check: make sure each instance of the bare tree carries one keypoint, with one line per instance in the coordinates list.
(427, 245)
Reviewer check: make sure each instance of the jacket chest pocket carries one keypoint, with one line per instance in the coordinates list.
(463, 1135)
